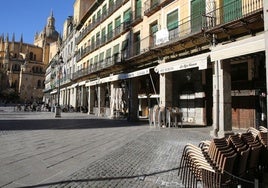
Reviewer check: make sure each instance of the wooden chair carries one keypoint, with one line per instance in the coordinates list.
(211, 156)
(221, 176)
(153, 115)
(263, 129)
(173, 116)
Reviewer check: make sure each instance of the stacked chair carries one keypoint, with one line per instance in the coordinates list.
(225, 162)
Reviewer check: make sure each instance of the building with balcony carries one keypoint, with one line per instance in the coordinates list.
(64, 75)
(205, 57)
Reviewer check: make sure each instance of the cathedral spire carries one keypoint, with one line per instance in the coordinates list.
(13, 37)
(21, 38)
(7, 38)
(21, 42)
(13, 42)
(51, 14)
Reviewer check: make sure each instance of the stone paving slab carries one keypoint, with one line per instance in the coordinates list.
(83, 151)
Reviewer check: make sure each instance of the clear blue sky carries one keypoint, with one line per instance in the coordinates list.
(27, 17)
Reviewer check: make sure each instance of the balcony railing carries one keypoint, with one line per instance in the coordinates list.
(231, 12)
(195, 24)
(100, 19)
(105, 39)
(99, 66)
(151, 6)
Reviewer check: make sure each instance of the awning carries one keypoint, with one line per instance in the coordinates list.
(119, 77)
(82, 83)
(53, 92)
(239, 48)
(199, 61)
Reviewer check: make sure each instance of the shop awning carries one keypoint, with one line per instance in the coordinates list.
(119, 77)
(199, 61)
(239, 48)
(53, 92)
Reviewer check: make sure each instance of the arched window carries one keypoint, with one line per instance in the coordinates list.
(31, 55)
(38, 83)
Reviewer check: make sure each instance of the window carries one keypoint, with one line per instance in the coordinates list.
(111, 4)
(104, 10)
(232, 10)
(103, 35)
(98, 39)
(117, 24)
(172, 20)
(116, 49)
(38, 83)
(93, 42)
(153, 30)
(31, 56)
(138, 9)
(116, 53)
(94, 18)
(127, 18)
(136, 45)
(101, 56)
(239, 71)
(124, 49)
(124, 45)
(108, 54)
(198, 8)
(110, 31)
(98, 15)
(96, 59)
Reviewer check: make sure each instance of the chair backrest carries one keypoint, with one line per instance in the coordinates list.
(263, 129)
(228, 163)
(241, 165)
(254, 156)
(253, 130)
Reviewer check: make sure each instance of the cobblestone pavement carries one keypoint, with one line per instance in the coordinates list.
(151, 160)
(90, 152)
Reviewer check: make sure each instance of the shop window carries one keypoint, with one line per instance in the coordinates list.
(239, 71)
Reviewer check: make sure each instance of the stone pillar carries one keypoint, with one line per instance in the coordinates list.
(133, 99)
(166, 86)
(113, 86)
(222, 100)
(166, 89)
(91, 97)
(75, 97)
(101, 99)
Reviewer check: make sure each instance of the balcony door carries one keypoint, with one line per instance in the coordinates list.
(198, 8)
(232, 10)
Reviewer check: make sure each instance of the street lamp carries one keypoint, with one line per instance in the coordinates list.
(58, 109)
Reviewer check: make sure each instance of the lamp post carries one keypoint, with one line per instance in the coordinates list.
(58, 109)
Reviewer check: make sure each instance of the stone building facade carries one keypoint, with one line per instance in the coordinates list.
(22, 65)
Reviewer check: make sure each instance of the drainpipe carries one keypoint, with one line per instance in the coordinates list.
(217, 120)
(265, 12)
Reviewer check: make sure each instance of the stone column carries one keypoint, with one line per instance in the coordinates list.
(101, 98)
(166, 88)
(222, 100)
(91, 98)
(75, 97)
(113, 87)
